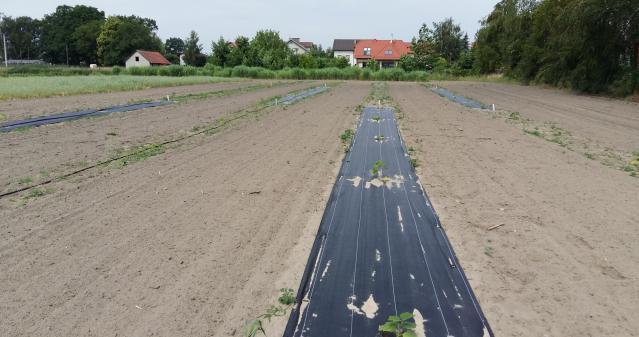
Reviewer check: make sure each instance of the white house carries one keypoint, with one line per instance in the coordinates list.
(299, 47)
(144, 58)
(345, 48)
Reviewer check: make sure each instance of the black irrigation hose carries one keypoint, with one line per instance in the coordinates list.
(110, 160)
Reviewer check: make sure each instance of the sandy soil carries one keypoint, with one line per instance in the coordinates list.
(24, 108)
(565, 262)
(58, 148)
(177, 245)
(609, 122)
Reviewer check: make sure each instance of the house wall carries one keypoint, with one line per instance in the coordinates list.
(295, 48)
(348, 54)
(142, 62)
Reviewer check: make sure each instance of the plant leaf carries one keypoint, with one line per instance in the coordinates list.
(388, 327)
(405, 316)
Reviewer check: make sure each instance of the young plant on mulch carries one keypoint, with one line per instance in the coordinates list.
(399, 326)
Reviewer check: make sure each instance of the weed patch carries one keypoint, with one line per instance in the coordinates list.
(136, 154)
(36, 192)
(347, 138)
(285, 302)
(25, 181)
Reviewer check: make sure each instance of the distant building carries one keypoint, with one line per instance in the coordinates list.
(386, 52)
(345, 48)
(144, 58)
(299, 47)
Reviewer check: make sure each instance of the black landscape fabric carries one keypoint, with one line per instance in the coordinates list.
(465, 101)
(67, 116)
(380, 250)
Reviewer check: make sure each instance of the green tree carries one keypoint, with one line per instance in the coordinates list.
(85, 40)
(339, 62)
(22, 34)
(589, 45)
(448, 39)
(239, 52)
(308, 61)
(193, 50)
(58, 44)
(121, 36)
(268, 50)
(424, 54)
(221, 51)
(174, 47)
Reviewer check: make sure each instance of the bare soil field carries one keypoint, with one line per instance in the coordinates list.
(563, 260)
(198, 239)
(24, 108)
(37, 153)
(609, 122)
(191, 242)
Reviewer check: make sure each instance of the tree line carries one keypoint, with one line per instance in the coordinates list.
(587, 45)
(77, 35)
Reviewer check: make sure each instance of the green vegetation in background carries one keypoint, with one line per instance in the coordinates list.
(586, 45)
(27, 87)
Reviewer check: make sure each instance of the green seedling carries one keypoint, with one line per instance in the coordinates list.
(376, 167)
(379, 138)
(489, 251)
(399, 326)
(376, 118)
(286, 301)
(414, 163)
(533, 132)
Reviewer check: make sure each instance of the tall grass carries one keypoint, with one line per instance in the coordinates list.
(44, 86)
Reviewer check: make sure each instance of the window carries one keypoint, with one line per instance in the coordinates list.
(367, 51)
(137, 59)
(388, 52)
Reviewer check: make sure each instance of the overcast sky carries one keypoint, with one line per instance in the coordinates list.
(319, 21)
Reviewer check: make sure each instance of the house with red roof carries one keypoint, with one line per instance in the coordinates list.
(145, 58)
(386, 52)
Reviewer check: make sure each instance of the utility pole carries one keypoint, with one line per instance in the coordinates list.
(67, 49)
(4, 42)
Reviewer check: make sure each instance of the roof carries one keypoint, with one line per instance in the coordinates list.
(304, 45)
(154, 57)
(378, 48)
(344, 44)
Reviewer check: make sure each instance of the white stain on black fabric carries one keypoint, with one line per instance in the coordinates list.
(369, 308)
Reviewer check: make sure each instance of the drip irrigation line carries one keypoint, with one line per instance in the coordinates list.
(168, 142)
